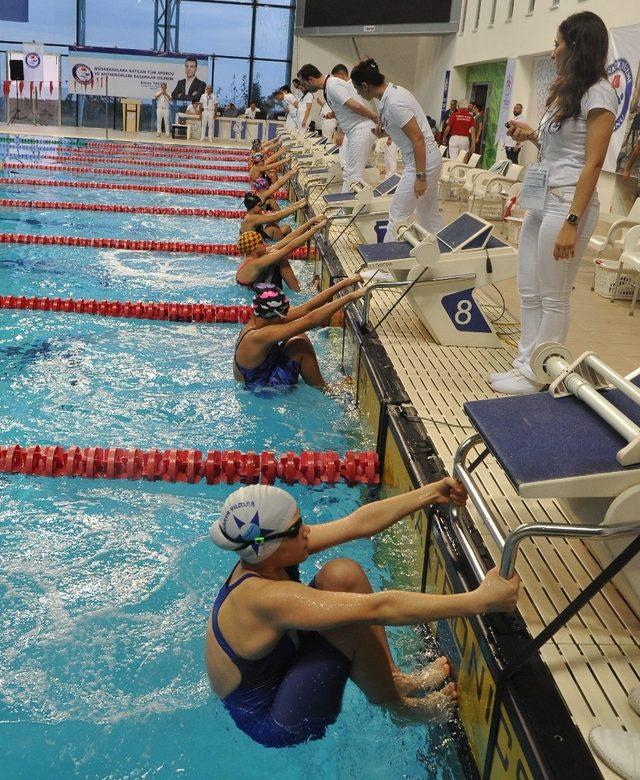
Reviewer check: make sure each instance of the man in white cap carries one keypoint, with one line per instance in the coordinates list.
(279, 653)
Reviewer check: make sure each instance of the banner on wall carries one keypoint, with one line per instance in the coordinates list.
(33, 58)
(14, 10)
(623, 70)
(505, 105)
(445, 94)
(134, 74)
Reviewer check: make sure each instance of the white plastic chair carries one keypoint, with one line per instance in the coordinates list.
(600, 243)
(489, 191)
(450, 172)
(630, 261)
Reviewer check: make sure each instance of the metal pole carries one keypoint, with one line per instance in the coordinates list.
(627, 387)
(106, 107)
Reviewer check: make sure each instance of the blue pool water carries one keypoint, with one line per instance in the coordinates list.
(106, 587)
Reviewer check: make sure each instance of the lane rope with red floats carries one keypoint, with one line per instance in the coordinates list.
(148, 163)
(131, 172)
(165, 310)
(176, 211)
(134, 244)
(98, 185)
(214, 467)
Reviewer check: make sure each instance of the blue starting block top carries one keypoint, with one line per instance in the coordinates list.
(392, 250)
(339, 197)
(540, 439)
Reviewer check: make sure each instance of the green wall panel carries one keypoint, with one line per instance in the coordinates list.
(489, 73)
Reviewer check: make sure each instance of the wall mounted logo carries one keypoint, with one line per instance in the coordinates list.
(32, 59)
(621, 79)
(82, 73)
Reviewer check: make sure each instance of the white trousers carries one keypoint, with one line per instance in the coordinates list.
(360, 142)
(404, 201)
(208, 124)
(162, 114)
(457, 144)
(545, 284)
(327, 128)
(390, 158)
(290, 122)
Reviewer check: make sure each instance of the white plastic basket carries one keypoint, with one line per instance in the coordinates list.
(604, 280)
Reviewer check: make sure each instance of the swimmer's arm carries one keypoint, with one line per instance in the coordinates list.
(299, 236)
(275, 156)
(324, 297)
(277, 164)
(289, 605)
(277, 253)
(358, 108)
(276, 186)
(376, 516)
(289, 329)
(275, 216)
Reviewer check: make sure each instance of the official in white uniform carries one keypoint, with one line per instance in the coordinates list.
(404, 121)
(291, 104)
(559, 192)
(163, 104)
(305, 105)
(356, 120)
(208, 103)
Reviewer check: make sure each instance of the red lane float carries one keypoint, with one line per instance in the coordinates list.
(165, 311)
(135, 244)
(149, 163)
(123, 172)
(98, 185)
(117, 208)
(214, 467)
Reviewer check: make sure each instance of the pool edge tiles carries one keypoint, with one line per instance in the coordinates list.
(535, 734)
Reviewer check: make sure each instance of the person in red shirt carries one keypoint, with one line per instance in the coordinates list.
(460, 132)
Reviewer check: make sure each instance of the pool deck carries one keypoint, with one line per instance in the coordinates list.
(595, 658)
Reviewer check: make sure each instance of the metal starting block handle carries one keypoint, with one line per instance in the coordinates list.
(583, 378)
(424, 245)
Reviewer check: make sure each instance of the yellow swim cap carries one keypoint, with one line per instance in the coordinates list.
(247, 242)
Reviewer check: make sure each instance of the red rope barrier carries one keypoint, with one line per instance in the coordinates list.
(118, 208)
(98, 185)
(124, 172)
(168, 149)
(215, 466)
(150, 162)
(165, 311)
(131, 243)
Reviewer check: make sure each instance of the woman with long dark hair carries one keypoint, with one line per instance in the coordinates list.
(404, 121)
(559, 191)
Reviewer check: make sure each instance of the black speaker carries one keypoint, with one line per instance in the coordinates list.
(16, 70)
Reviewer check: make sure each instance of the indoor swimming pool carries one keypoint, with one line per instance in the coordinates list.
(107, 586)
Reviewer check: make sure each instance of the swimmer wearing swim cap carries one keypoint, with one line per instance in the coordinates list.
(270, 264)
(263, 167)
(273, 349)
(267, 223)
(279, 652)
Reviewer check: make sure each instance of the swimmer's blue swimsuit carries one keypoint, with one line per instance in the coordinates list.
(290, 695)
(276, 370)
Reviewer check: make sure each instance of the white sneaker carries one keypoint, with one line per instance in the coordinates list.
(157, 135)
(618, 749)
(497, 376)
(516, 384)
(634, 699)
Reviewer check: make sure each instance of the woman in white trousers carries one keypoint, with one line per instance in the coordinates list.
(404, 121)
(559, 191)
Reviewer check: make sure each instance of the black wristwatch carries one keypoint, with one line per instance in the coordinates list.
(572, 219)
(421, 176)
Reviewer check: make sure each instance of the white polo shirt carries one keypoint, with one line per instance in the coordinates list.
(250, 113)
(337, 93)
(208, 103)
(290, 103)
(397, 107)
(164, 101)
(509, 143)
(564, 143)
(305, 100)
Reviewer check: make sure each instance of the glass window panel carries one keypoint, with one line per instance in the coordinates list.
(127, 24)
(50, 21)
(215, 28)
(272, 32)
(267, 77)
(231, 81)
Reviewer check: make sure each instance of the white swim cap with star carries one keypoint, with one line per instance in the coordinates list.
(247, 518)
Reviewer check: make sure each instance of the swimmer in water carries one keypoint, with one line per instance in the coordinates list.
(278, 652)
(273, 348)
(265, 167)
(264, 263)
(264, 221)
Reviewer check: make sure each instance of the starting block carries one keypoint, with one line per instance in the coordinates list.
(446, 268)
(364, 197)
(579, 443)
